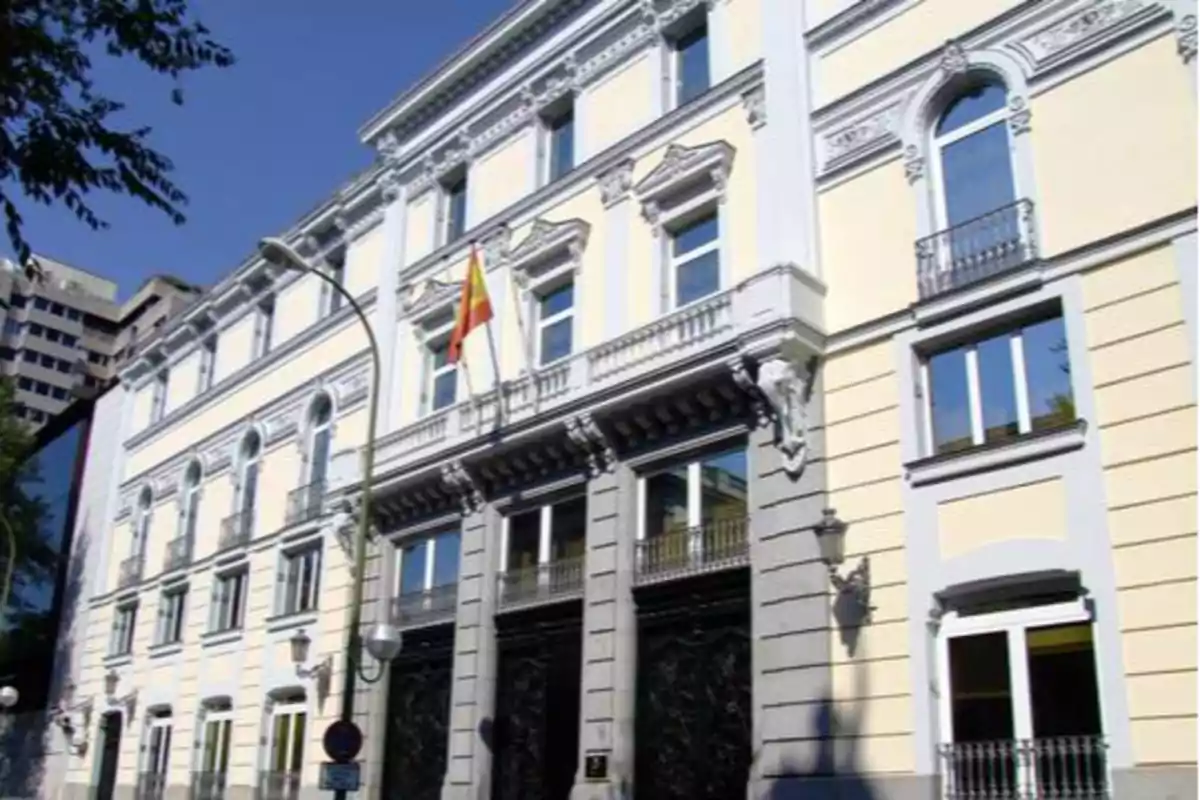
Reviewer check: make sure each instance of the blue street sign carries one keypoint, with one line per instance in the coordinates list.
(340, 777)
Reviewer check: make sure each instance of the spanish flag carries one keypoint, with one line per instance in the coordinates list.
(474, 308)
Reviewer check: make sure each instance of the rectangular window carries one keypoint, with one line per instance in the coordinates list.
(427, 563)
(170, 616)
(443, 377)
(29, 356)
(555, 322)
(559, 141)
(47, 361)
(412, 567)
(121, 642)
(287, 746)
(41, 388)
(337, 271)
(73, 314)
(691, 64)
(62, 365)
(57, 309)
(25, 383)
(158, 402)
(12, 327)
(208, 363)
(695, 260)
(69, 340)
(214, 756)
(456, 207)
(58, 393)
(229, 601)
(7, 353)
(446, 547)
(301, 580)
(18, 301)
(36, 329)
(264, 324)
(41, 303)
(999, 386)
(52, 335)
(158, 757)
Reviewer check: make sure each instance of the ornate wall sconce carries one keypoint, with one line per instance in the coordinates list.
(300, 644)
(831, 537)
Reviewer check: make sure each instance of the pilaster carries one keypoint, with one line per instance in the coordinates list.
(610, 634)
(394, 235)
(472, 697)
(614, 193)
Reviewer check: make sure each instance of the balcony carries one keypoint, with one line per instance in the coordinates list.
(542, 583)
(304, 503)
(718, 545)
(1026, 769)
(236, 529)
(150, 786)
(431, 606)
(208, 785)
(130, 572)
(976, 250)
(178, 554)
(278, 785)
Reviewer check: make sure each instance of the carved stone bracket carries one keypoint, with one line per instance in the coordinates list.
(616, 183)
(460, 483)
(1186, 36)
(755, 103)
(1019, 115)
(787, 386)
(583, 431)
(739, 368)
(914, 163)
(954, 60)
(390, 185)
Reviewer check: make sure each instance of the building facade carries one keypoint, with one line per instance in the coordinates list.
(64, 332)
(834, 434)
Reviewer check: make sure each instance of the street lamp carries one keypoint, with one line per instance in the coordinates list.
(9, 696)
(831, 539)
(279, 253)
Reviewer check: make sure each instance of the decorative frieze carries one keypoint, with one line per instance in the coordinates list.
(1082, 29)
(861, 137)
(853, 18)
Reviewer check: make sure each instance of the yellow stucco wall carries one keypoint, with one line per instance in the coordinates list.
(1145, 411)
(919, 29)
(862, 448)
(619, 104)
(869, 275)
(1100, 173)
(745, 33)
(364, 258)
(297, 308)
(503, 175)
(216, 503)
(235, 347)
(143, 402)
(419, 219)
(1030, 511)
(182, 381)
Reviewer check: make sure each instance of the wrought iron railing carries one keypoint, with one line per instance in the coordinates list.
(976, 249)
(1058, 768)
(555, 580)
(178, 554)
(305, 503)
(423, 608)
(150, 786)
(208, 785)
(236, 529)
(130, 571)
(716, 545)
(278, 785)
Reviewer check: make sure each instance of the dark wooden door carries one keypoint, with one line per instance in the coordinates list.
(110, 750)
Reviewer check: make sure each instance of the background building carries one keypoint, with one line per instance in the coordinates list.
(63, 330)
(769, 277)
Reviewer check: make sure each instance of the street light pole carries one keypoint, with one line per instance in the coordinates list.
(280, 253)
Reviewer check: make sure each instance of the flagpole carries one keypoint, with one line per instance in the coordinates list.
(496, 372)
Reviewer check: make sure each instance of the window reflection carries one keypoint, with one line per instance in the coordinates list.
(667, 502)
(723, 487)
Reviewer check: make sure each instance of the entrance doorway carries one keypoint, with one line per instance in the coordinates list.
(110, 750)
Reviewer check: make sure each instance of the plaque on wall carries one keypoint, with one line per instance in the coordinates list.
(595, 767)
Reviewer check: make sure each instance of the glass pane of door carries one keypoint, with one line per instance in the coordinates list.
(980, 691)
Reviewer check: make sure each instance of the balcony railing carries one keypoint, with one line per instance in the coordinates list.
(278, 785)
(179, 553)
(208, 785)
(423, 608)
(305, 503)
(236, 529)
(150, 786)
(542, 583)
(1059, 768)
(975, 250)
(720, 544)
(130, 571)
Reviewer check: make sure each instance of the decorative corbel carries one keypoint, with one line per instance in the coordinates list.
(460, 483)
(787, 386)
(390, 185)
(1019, 115)
(954, 60)
(740, 370)
(755, 103)
(583, 431)
(1187, 44)
(914, 163)
(616, 183)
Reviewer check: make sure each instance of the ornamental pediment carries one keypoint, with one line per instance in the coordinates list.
(545, 241)
(681, 166)
(430, 297)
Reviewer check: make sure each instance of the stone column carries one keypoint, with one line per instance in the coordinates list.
(790, 610)
(609, 634)
(614, 194)
(384, 322)
(473, 695)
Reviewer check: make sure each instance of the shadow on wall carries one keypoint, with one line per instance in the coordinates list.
(31, 743)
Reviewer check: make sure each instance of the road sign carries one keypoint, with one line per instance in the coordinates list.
(343, 741)
(340, 777)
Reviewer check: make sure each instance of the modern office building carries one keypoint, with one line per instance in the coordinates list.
(839, 440)
(64, 332)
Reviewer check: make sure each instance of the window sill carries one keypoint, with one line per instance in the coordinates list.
(165, 649)
(1030, 447)
(214, 638)
(118, 659)
(286, 622)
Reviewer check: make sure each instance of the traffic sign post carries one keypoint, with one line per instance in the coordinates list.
(340, 777)
(343, 741)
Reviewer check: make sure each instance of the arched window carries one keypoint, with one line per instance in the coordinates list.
(141, 524)
(973, 154)
(190, 502)
(248, 480)
(320, 440)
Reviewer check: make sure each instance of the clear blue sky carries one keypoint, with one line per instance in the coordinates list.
(258, 144)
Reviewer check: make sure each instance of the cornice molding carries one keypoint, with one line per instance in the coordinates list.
(545, 240)
(434, 298)
(680, 167)
(856, 16)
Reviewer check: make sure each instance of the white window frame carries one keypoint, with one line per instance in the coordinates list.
(974, 386)
(1014, 624)
(249, 460)
(158, 398)
(208, 364)
(545, 529)
(564, 106)
(445, 184)
(159, 721)
(672, 72)
(430, 538)
(264, 326)
(687, 215)
(124, 628)
(317, 428)
(189, 501)
(332, 300)
(291, 568)
(290, 708)
(141, 524)
(172, 614)
(541, 323)
(219, 720)
(221, 582)
(436, 340)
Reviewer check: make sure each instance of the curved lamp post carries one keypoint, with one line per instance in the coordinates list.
(279, 253)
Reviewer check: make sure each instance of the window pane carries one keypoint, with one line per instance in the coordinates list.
(980, 695)
(297, 742)
(250, 486)
(439, 355)
(209, 761)
(279, 745)
(698, 278)
(320, 455)
(557, 301)
(696, 234)
(666, 502)
(226, 731)
(556, 340)
(975, 103)
(412, 568)
(977, 176)
(444, 386)
(562, 145)
(1063, 693)
(524, 533)
(723, 487)
(692, 57)
(456, 210)
(568, 527)
(997, 393)
(1048, 374)
(949, 404)
(445, 559)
